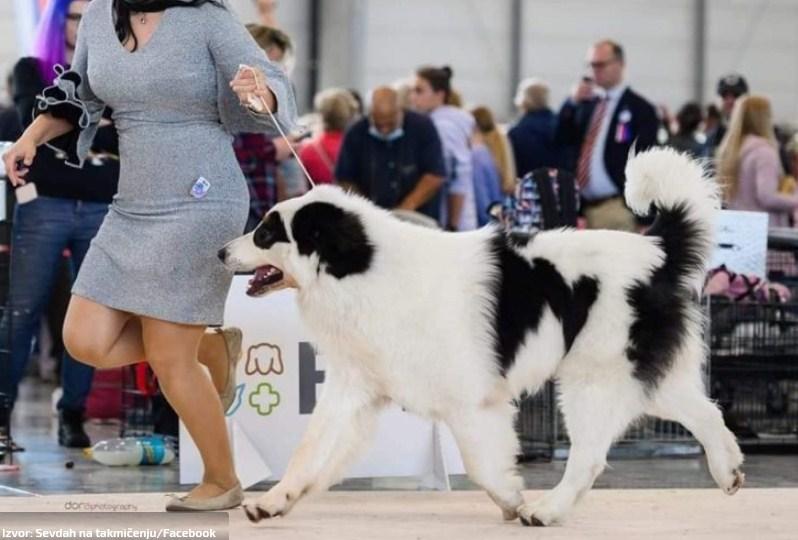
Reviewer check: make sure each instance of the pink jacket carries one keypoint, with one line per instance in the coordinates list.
(758, 182)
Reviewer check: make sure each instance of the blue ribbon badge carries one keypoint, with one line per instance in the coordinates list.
(200, 188)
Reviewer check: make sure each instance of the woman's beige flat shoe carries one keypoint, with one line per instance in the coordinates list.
(232, 340)
(227, 500)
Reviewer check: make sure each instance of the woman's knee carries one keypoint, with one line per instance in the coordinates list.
(91, 330)
(86, 343)
(82, 345)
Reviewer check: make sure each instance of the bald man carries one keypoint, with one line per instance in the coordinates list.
(394, 157)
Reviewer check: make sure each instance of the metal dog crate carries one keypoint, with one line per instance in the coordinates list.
(542, 433)
(754, 356)
(752, 373)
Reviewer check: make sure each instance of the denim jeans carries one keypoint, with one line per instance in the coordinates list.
(42, 229)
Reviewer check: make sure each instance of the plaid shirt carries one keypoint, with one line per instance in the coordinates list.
(257, 157)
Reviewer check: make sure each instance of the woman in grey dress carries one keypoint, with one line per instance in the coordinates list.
(151, 283)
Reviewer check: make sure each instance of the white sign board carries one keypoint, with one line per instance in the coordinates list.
(279, 379)
(741, 242)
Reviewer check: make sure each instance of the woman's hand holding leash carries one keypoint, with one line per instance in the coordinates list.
(249, 84)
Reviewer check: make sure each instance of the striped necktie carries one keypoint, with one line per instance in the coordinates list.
(586, 152)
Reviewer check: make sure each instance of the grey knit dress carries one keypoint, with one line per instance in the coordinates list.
(155, 254)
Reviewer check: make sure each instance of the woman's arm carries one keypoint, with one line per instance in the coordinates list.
(20, 156)
(65, 114)
(231, 46)
(768, 171)
(47, 127)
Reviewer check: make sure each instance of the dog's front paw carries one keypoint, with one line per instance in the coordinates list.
(538, 514)
(269, 505)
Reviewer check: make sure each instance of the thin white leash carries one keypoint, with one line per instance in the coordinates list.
(259, 105)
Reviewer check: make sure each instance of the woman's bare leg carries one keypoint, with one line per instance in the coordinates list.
(212, 354)
(101, 336)
(106, 338)
(171, 350)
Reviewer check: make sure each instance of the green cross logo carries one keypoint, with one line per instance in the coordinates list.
(265, 399)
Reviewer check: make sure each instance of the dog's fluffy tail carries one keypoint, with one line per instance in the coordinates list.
(686, 199)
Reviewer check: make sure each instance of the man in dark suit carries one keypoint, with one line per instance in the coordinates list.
(599, 123)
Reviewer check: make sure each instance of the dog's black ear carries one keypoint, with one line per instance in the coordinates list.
(271, 231)
(336, 235)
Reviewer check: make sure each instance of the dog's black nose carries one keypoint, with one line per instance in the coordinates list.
(222, 254)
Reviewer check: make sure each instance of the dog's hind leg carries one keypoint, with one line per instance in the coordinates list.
(342, 423)
(489, 446)
(681, 398)
(596, 412)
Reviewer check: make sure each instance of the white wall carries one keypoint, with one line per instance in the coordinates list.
(471, 36)
(758, 38)
(9, 48)
(292, 18)
(656, 36)
(369, 42)
(377, 41)
(343, 43)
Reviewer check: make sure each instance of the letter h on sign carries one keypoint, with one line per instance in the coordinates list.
(309, 377)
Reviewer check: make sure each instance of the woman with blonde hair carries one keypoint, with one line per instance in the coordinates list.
(748, 163)
(337, 108)
(499, 147)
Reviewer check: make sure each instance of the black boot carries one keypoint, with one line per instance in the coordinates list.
(70, 429)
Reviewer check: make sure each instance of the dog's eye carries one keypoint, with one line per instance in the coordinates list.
(270, 232)
(316, 233)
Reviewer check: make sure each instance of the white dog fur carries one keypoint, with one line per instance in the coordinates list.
(414, 317)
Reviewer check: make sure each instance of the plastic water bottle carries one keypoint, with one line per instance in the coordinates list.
(132, 451)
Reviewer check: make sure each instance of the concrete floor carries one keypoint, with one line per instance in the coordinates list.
(469, 515)
(43, 469)
(670, 505)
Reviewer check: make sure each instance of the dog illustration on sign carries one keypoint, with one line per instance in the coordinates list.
(264, 359)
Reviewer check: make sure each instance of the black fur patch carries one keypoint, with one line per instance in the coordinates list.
(661, 305)
(336, 235)
(522, 290)
(271, 231)
(584, 295)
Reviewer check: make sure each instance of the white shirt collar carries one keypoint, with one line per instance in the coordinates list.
(615, 93)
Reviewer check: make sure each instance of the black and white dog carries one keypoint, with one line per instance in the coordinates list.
(455, 327)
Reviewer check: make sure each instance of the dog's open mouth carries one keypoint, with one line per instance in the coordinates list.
(265, 278)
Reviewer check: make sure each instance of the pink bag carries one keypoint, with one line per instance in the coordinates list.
(744, 288)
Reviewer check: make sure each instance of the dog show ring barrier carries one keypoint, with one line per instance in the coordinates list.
(279, 380)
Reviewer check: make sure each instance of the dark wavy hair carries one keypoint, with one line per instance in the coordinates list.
(689, 118)
(439, 78)
(123, 9)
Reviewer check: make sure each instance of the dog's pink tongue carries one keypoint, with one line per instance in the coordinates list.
(264, 276)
